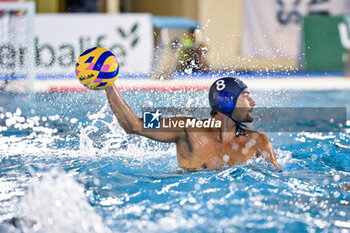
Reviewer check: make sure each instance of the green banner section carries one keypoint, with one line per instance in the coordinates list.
(322, 45)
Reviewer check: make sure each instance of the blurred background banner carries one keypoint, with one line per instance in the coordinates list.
(325, 42)
(272, 28)
(178, 38)
(61, 38)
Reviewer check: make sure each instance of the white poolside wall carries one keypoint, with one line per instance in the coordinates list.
(300, 83)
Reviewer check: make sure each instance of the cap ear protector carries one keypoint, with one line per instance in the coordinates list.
(226, 102)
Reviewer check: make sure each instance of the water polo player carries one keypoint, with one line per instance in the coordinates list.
(215, 148)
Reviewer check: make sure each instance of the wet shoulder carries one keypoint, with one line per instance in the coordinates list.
(258, 136)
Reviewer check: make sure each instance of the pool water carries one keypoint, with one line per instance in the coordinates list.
(67, 166)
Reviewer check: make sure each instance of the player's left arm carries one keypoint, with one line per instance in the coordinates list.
(265, 147)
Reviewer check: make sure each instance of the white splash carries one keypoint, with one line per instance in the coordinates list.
(116, 142)
(318, 136)
(57, 203)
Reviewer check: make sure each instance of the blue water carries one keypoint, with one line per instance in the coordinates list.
(67, 166)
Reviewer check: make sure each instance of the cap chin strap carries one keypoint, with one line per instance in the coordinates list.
(239, 126)
(239, 129)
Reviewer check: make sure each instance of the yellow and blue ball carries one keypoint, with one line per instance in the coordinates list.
(97, 68)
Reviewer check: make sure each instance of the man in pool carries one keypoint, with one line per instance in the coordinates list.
(214, 148)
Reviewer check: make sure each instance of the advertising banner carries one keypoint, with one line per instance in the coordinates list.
(61, 38)
(272, 28)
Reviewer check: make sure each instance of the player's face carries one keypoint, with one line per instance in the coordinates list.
(244, 107)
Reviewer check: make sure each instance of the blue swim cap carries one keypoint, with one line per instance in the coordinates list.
(223, 96)
(224, 93)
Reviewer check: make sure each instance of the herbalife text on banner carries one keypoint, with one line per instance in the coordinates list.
(59, 40)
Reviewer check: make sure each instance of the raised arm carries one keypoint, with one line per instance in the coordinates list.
(133, 124)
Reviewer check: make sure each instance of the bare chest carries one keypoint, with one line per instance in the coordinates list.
(201, 150)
